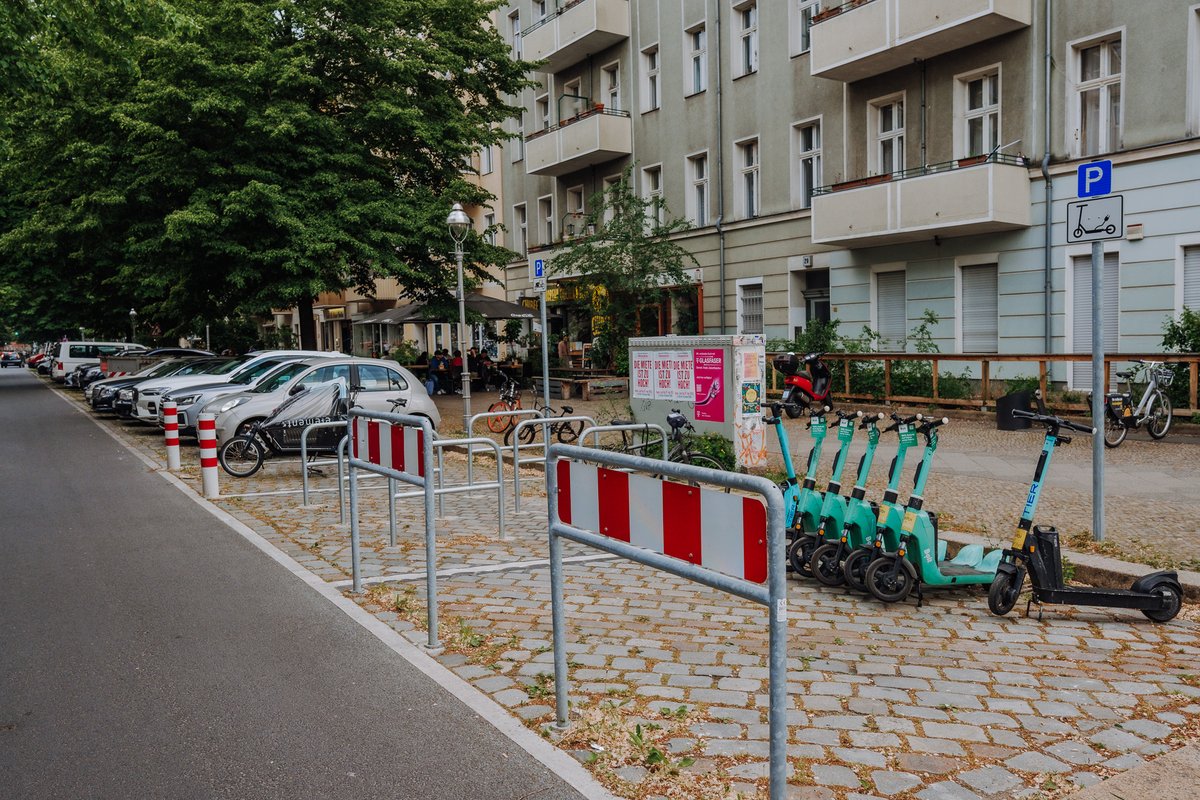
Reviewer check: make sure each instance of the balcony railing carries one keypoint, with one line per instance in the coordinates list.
(980, 194)
(590, 137)
(574, 31)
(861, 38)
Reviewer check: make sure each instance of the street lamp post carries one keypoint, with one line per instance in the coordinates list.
(459, 223)
(132, 325)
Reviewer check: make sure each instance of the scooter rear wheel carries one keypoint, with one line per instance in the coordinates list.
(1003, 594)
(826, 566)
(1174, 601)
(854, 568)
(794, 403)
(800, 555)
(888, 581)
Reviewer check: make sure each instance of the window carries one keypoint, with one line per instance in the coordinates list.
(485, 159)
(612, 87)
(1193, 71)
(543, 111)
(514, 26)
(520, 229)
(650, 99)
(696, 70)
(1098, 97)
(327, 374)
(572, 101)
(1191, 278)
(808, 161)
(489, 228)
(803, 12)
(539, 9)
(891, 311)
(750, 307)
(697, 199)
(979, 311)
(887, 154)
(652, 190)
(519, 143)
(1081, 308)
(574, 220)
(747, 185)
(746, 29)
(546, 220)
(375, 378)
(979, 101)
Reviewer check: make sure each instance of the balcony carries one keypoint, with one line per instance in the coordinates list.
(982, 194)
(592, 137)
(862, 38)
(575, 31)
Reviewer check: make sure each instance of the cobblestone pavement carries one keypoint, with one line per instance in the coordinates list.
(668, 678)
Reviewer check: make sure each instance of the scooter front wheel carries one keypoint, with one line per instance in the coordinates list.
(888, 580)
(1003, 594)
(1173, 602)
(800, 555)
(826, 565)
(855, 569)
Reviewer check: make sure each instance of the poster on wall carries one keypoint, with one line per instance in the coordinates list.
(681, 372)
(663, 376)
(708, 389)
(641, 367)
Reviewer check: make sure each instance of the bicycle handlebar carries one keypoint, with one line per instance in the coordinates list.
(1053, 422)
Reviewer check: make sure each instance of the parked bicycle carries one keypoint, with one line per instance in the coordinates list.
(280, 433)
(510, 400)
(565, 432)
(1153, 410)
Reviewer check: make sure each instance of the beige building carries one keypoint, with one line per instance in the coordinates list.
(872, 159)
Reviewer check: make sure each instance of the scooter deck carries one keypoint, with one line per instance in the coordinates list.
(959, 571)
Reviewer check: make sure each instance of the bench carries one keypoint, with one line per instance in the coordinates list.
(595, 388)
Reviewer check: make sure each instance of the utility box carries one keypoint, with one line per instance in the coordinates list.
(716, 381)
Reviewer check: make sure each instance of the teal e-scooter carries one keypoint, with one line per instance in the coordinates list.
(918, 562)
(1158, 595)
(795, 497)
(885, 536)
(857, 524)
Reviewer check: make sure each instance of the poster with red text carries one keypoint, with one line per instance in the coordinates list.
(681, 369)
(663, 377)
(641, 369)
(708, 379)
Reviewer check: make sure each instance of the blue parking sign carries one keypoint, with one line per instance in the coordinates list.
(539, 268)
(1095, 179)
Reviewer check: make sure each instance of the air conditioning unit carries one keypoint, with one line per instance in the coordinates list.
(806, 262)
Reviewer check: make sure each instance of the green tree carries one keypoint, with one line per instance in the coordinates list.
(629, 262)
(203, 158)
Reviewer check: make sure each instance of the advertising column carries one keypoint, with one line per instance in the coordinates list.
(749, 430)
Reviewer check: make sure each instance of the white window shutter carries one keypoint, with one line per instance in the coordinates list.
(1191, 278)
(980, 312)
(892, 311)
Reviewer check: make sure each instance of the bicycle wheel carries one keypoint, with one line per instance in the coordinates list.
(499, 424)
(697, 460)
(569, 431)
(529, 434)
(241, 456)
(1114, 431)
(1158, 419)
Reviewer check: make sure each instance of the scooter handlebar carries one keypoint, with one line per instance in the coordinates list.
(898, 420)
(1053, 421)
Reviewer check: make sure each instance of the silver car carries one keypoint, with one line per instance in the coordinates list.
(376, 382)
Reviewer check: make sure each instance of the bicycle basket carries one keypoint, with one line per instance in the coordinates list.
(1164, 376)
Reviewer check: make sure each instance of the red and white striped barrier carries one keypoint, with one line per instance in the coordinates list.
(397, 447)
(713, 529)
(171, 434)
(206, 432)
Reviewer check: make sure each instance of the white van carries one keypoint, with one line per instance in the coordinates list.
(66, 356)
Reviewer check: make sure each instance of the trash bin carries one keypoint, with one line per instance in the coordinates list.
(1005, 405)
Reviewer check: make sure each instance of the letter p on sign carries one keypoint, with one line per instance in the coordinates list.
(1095, 179)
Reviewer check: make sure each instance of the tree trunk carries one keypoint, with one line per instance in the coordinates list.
(308, 325)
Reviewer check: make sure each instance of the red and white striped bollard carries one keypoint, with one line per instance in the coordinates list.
(171, 435)
(206, 429)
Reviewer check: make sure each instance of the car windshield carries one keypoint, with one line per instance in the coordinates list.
(248, 375)
(162, 368)
(200, 366)
(279, 377)
(226, 366)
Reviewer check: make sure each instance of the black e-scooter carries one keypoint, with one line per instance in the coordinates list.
(1157, 595)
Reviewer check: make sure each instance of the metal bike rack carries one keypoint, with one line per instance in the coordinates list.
(518, 412)
(304, 463)
(421, 478)
(644, 427)
(545, 422)
(602, 484)
(442, 490)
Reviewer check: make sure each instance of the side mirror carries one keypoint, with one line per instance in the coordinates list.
(297, 389)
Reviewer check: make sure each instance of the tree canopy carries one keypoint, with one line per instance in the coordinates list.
(198, 158)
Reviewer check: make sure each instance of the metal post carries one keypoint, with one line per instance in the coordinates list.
(1098, 391)
(462, 335)
(343, 449)
(557, 615)
(355, 574)
(777, 651)
(441, 482)
(391, 511)
(430, 541)
(545, 353)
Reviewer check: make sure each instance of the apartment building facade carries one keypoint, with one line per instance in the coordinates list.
(869, 160)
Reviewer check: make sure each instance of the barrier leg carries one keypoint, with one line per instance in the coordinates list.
(441, 482)
(341, 458)
(355, 571)
(392, 511)
(206, 429)
(171, 435)
(430, 555)
(556, 604)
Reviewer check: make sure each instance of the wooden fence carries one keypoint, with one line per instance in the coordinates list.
(985, 394)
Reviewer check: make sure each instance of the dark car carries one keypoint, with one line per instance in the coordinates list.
(10, 358)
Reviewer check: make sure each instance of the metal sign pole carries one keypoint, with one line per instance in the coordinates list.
(1099, 390)
(545, 353)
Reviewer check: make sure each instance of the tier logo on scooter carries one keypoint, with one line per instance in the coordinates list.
(1031, 501)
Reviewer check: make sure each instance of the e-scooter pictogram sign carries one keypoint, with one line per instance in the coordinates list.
(1096, 219)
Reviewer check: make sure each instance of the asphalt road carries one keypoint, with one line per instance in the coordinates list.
(147, 651)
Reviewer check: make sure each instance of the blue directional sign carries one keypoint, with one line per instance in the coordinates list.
(539, 268)
(1095, 179)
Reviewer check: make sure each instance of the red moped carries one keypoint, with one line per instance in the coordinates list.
(804, 389)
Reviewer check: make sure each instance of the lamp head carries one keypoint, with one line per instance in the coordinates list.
(458, 222)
